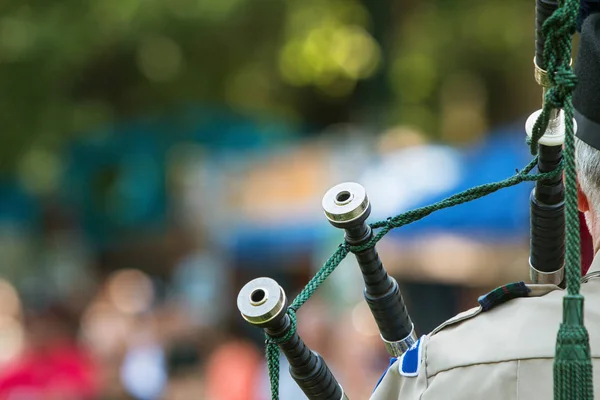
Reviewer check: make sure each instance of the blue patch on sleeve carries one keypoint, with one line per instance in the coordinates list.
(411, 360)
(392, 361)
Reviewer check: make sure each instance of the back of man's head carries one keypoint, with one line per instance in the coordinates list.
(586, 100)
(588, 173)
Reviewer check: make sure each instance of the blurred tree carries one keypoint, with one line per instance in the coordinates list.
(67, 67)
(462, 65)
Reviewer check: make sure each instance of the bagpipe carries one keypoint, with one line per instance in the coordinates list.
(553, 210)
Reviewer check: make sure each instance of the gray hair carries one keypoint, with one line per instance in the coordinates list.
(588, 172)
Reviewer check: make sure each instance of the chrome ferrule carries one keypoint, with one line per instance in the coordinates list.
(399, 347)
(549, 278)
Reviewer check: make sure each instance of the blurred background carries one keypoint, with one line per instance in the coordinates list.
(157, 155)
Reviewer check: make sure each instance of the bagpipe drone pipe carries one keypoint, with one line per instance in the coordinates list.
(547, 250)
(263, 303)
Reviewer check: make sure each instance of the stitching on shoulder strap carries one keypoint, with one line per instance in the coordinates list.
(458, 318)
(589, 276)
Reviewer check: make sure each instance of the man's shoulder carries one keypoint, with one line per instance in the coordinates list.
(504, 346)
(515, 321)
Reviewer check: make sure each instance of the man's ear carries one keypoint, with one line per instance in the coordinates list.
(582, 200)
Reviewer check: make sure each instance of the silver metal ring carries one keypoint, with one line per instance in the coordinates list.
(552, 278)
(344, 397)
(345, 202)
(261, 310)
(399, 347)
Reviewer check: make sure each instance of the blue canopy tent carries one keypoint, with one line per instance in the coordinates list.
(501, 216)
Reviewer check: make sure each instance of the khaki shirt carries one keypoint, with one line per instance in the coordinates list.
(505, 353)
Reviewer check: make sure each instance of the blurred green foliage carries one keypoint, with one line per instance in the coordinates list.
(67, 67)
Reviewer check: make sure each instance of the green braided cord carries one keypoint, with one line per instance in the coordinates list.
(558, 29)
(572, 362)
(273, 353)
(272, 350)
(326, 270)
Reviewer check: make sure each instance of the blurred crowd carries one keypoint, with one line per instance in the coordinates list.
(110, 325)
(128, 338)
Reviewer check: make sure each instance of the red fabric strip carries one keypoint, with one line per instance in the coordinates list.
(587, 247)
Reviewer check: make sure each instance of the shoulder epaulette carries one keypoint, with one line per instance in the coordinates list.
(502, 294)
(496, 297)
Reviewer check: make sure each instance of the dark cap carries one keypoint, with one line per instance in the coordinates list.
(586, 97)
